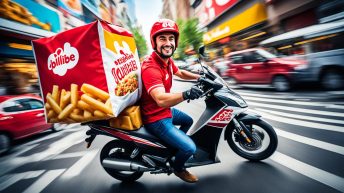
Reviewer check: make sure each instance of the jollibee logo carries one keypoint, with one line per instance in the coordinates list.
(63, 59)
(167, 24)
(224, 115)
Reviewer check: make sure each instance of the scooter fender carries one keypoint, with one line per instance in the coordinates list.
(247, 117)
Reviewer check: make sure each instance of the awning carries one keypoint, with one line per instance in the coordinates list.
(27, 32)
(307, 32)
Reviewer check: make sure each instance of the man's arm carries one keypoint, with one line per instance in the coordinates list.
(187, 75)
(164, 99)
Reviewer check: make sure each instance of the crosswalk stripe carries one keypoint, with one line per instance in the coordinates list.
(312, 172)
(53, 135)
(309, 141)
(21, 151)
(301, 123)
(10, 179)
(77, 168)
(69, 155)
(44, 181)
(267, 95)
(69, 126)
(286, 96)
(301, 116)
(300, 110)
(303, 103)
(53, 150)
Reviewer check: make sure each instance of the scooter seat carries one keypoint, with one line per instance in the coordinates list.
(144, 133)
(141, 132)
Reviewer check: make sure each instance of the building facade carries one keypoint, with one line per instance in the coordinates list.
(176, 9)
(24, 20)
(240, 24)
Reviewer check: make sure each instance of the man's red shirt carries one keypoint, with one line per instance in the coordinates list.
(155, 73)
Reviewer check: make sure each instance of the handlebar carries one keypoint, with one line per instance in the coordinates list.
(210, 84)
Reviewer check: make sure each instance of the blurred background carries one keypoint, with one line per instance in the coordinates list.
(285, 57)
(304, 39)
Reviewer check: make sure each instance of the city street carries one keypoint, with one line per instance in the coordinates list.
(309, 157)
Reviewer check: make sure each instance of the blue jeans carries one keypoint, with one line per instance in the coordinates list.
(165, 130)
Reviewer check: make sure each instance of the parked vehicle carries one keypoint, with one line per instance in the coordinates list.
(257, 66)
(322, 46)
(20, 116)
(132, 153)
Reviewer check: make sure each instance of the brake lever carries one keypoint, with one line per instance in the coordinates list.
(204, 94)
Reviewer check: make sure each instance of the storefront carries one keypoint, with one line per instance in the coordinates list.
(18, 72)
(239, 31)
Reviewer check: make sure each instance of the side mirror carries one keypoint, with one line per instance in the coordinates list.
(201, 51)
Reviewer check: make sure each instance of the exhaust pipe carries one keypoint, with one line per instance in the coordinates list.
(125, 165)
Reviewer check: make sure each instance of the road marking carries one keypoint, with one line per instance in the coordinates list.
(77, 168)
(10, 179)
(303, 103)
(45, 138)
(301, 116)
(302, 123)
(300, 110)
(53, 150)
(69, 155)
(44, 181)
(21, 151)
(302, 99)
(312, 172)
(69, 126)
(309, 141)
(266, 96)
(53, 135)
(336, 92)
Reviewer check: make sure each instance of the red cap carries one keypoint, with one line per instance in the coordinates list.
(164, 25)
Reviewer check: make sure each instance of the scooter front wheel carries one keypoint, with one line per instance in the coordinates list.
(263, 145)
(121, 150)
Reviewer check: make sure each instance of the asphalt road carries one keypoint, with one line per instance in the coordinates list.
(309, 158)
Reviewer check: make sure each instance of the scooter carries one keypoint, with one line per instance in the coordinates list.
(134, 152)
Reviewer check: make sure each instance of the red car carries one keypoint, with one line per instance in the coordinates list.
(257, 66)
(20, 116)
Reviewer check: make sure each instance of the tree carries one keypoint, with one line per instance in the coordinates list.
(190, 37)
(140, 42)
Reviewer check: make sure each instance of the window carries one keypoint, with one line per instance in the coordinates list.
(22, 105)
(35, 104)
(236, 59)
(253, 57)
(14, 106)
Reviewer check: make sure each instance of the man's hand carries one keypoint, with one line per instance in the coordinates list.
(193, 93)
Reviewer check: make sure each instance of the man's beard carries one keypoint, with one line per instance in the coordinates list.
(162, 55)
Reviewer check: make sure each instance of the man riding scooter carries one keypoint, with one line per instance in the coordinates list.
(156, 100)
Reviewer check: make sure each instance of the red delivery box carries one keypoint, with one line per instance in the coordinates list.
(88, 73)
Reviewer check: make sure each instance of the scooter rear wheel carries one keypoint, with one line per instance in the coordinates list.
(121, 150)
(263, 145)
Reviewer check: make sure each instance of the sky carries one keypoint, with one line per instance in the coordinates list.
(147, 12)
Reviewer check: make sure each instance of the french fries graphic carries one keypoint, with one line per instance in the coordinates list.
(68, 106)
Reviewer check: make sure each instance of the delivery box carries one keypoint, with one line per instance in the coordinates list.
(88, 73)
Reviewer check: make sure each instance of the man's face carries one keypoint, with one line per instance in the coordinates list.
(165, 44)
